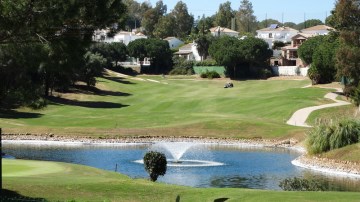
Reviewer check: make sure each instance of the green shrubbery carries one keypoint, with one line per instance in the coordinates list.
(155, 164)
(206, 63)
(182, 67)
(210, 75)
(327, 137)
(298, 184)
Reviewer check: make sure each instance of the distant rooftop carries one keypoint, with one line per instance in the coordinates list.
(275, 27)
(223, 29)
(318, 27)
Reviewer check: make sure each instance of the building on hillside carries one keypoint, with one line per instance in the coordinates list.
(289, 55)
(221, 31)
(318, 30)
(122, 36)
(174, 42)
(189, 52)
(276, 33)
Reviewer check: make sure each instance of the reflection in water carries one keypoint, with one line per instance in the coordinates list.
(259, 168)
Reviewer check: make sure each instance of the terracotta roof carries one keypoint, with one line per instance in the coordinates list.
(268, 29)
(186, 47)
(302, 35)
(223, 29)
(170, 38)
(318, 27)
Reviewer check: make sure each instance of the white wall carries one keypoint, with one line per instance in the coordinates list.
(289, 71)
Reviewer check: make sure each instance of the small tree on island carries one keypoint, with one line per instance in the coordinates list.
(155, 164)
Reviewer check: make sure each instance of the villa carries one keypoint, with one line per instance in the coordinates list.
(122, 36)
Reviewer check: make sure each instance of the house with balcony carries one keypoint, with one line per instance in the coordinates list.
(289, 54)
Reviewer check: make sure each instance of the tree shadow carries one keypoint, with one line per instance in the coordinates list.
(12, 114)
(8, 195)
(90, 90)
(87, 104)
(118, 80)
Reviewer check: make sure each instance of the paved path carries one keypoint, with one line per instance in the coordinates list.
(300, 116)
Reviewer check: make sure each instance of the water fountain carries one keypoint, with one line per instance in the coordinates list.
(177, 151)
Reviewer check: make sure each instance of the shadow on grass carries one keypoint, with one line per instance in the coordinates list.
(95, 91)
(88, 104)
(119, 80)
(8, 195)
(12, 114)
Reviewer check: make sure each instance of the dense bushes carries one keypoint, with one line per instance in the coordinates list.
(298, 184)
(206, 63)
(155, 164)
(327, 137)
(182, 67)
(210, 75)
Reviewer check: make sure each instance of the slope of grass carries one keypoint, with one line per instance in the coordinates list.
(348, 153)
(200, 107)
(82, 183)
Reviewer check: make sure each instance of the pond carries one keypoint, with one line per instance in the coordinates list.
(220, 165)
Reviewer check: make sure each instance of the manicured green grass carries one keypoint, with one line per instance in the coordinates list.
(82, 183)
(179, 108)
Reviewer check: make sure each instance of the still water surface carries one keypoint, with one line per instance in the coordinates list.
(255, 168)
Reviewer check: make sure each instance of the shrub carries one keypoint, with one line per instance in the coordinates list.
(206, 63)
(326, 137)
(298, 184)
(210, 74)
(265, 74)
(346, 132)
(182, 67)
(155, 164)
(314, 75)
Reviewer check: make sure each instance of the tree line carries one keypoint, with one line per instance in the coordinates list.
(337, 56)
(44, 46)
(157, 22)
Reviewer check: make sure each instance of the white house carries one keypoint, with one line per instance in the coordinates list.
(220, 31)
(318, 30)
(276, 33)
(122, 36)
(189, 52)
(174, 42)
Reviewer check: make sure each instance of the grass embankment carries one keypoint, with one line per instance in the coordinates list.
(128, 107)
(65, 182)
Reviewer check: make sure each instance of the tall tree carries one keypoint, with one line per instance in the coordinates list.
(203, 43)
(347, 14)
(225, 51)
(151, 17)
(165, 27)
(246, 20)
(224, 15)
(60, 31)
(134, 14)
(184, 21)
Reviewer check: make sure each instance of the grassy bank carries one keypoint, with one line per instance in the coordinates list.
(129, 107)
(65, 182)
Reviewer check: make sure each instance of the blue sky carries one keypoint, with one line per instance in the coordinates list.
(293, 11)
